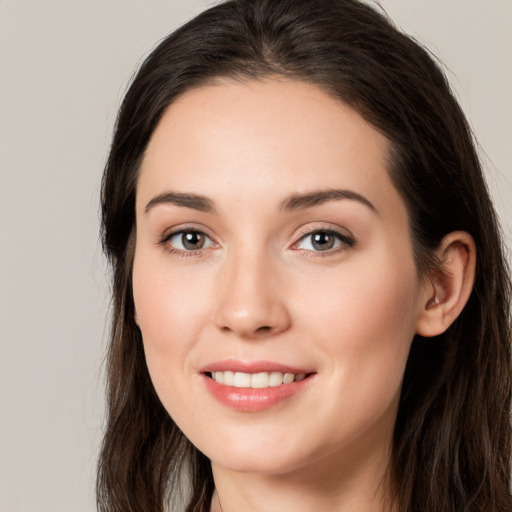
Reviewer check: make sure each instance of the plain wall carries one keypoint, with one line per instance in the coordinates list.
(64, 66)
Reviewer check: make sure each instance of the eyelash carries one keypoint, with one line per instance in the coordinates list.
(180, 252)
(347, 242)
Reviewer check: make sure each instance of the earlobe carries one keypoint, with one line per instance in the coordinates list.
(448, 289)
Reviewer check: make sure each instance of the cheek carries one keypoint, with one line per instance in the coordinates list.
(379, 290)
(169, 326)
(165, 306)
(363, 324)
(365, 321)
(383, 301)
(171, 306)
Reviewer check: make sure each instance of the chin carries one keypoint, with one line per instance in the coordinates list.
(272, 456)
(262, 464)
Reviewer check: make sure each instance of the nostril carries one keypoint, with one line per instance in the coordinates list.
(264, 328)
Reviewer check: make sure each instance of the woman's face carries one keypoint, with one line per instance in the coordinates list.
(272, 247)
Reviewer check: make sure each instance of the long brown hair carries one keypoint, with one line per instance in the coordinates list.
(452, 441)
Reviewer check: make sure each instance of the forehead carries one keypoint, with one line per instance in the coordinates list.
(238, 139)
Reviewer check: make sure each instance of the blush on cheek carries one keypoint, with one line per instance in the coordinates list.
(376, 306)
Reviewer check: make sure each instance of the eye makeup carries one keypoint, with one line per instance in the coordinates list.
(186, 237)
(319, 241)
(323, 241)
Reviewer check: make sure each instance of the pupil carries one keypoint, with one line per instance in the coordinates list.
(193, 240)
(323, 241)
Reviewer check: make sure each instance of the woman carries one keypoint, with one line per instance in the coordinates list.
(311, 302)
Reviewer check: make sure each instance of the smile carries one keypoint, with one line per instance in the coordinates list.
(260, 380)
(254, 386)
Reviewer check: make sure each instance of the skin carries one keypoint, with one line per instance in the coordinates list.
(259, 290)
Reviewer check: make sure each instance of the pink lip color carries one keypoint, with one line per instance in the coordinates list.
(250, 399)
(251, 367)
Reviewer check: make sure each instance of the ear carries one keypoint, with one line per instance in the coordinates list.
(446, 292)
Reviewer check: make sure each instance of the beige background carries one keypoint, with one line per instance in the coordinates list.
(64, 66)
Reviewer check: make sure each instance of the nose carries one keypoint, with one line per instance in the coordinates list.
(250, 302)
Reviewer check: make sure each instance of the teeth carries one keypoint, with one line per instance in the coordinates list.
(242, 380)
(276, 379)
(256, 380)
(229, 378)
(288, 378)
(260, 380)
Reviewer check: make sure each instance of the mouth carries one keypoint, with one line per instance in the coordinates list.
(254, 387)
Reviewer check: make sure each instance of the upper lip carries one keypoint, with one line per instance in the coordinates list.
(251, 367)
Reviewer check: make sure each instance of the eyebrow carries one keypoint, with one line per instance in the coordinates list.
(291, 203)
(315, 198)
(194, 201)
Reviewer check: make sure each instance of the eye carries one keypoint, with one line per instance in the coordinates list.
(324, 240)
(188, 240)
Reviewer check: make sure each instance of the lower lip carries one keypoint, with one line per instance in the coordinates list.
(252, 399)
